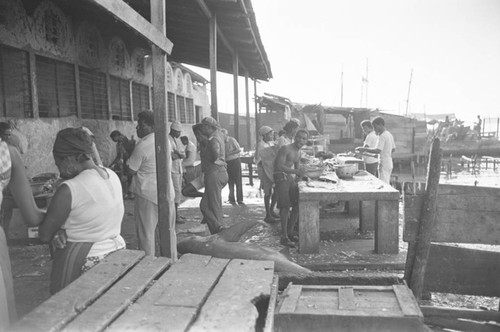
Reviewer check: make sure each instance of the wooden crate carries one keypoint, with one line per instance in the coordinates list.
(348, 308)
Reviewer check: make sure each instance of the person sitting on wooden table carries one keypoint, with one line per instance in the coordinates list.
(85, 214)
(286, 168)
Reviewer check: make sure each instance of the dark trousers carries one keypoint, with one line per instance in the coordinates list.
(372, 168)
(211, 202)
(234, 178)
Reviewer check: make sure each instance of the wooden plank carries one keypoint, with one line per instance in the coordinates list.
(289, 304)
(387, 227)
(407, 301)
(308, 227)
(62, 307)
(127, 15)
(452, 269)
(109, 306)
(234, 300)
(269, 325)
(474, 314)
(470, 224)
(346, 298)
(175, 298)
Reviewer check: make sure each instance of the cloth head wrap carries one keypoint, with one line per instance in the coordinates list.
(72, 142)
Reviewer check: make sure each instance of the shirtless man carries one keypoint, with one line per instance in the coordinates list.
(286, 166)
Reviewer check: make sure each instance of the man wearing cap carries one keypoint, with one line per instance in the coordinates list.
(178, 155)
(213, 166)
(233, 161)
(265, 153)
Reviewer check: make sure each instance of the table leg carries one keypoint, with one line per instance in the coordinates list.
(387, 227)
(353, 208)
(309, 227)
(367, 216)
(250, 173)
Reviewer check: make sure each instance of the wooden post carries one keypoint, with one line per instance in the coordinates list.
(257, 124)
(247, 104)
(236, 99)
(427, 221)
(213, 66)
(166, 209)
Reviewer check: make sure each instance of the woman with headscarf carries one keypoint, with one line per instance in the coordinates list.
(85, 214)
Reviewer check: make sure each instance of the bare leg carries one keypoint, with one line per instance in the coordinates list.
(274, 199)
(284, 215)
(294, 216)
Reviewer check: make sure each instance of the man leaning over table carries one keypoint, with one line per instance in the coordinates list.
(371, 139)
(385, 148)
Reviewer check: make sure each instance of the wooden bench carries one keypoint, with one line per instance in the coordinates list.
(130, 291)
(464, 214)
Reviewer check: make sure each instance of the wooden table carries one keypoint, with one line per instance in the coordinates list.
(249, 161)
(133, 292)
(363, 188)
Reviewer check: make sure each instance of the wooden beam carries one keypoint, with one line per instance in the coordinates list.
(213, 65)
(204, 8)
(247, 106)
(236, 99)
(166, 208)
(127, 15)
(242, 4)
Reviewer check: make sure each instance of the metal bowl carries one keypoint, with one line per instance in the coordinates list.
(346, 171)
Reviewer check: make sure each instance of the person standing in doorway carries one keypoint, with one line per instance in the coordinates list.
(233, 161)
(371, 139)
(177, 156)
(385, 147)
(213, 166)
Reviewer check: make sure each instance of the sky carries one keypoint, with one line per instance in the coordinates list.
(449, 48)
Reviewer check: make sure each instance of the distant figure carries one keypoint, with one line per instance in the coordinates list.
(371, 160)
(289, 131)
(385, 148)
(188, 162)
(177, 156)
(95, 153)
(233, 161)
(265, 154)
(286, 167)
(477, 126)
(124, 148)
(213, 166)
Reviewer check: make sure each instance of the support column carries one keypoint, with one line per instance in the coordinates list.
(166, 208)
(247, 104)
(308, 227)
(236, 97)
(213, 66)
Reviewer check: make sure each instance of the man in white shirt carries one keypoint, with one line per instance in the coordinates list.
(385, 148)
(371, 140)
(142, 165)
(177, 156)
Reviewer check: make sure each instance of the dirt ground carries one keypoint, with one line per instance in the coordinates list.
(342, 247)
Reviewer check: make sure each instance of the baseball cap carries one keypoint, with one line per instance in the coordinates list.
(264, 130)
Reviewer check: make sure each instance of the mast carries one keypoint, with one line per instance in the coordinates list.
(342, 86)
(408, 96)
